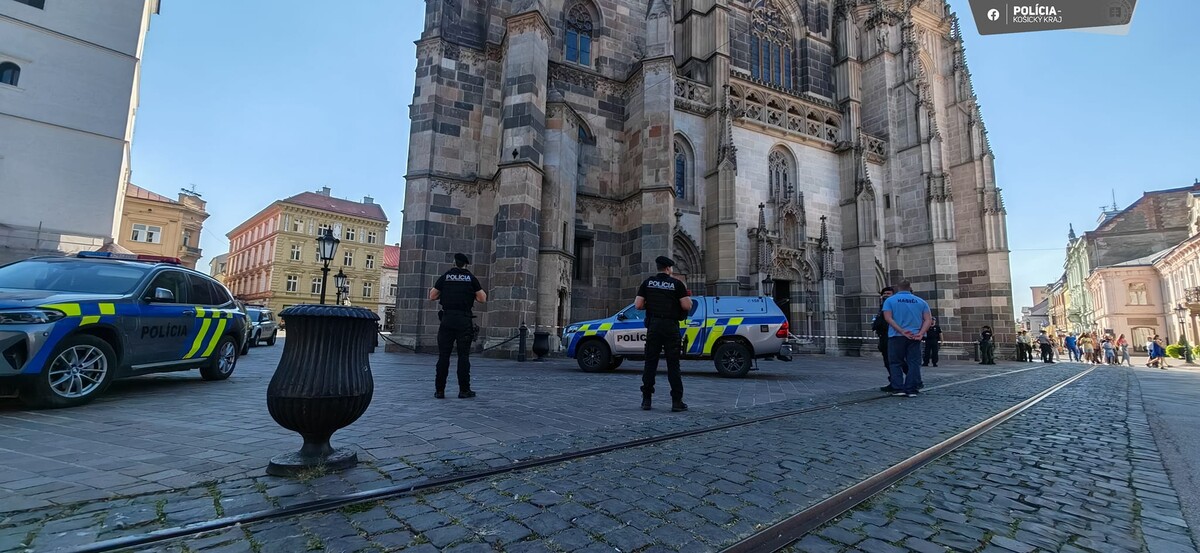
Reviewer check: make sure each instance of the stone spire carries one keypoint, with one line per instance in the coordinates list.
(1071, 232)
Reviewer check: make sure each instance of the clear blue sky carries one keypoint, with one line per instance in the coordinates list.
(255, 101)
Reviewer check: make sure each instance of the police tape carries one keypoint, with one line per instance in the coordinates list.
(823, 336)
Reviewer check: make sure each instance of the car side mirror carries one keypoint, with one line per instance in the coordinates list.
(621, 316)
(163, 295)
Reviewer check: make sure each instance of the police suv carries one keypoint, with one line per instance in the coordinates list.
(70, 325)
(730, 330)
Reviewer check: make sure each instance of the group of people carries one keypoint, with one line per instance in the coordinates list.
(904, 324)
(1045, 346)
(1105, 349)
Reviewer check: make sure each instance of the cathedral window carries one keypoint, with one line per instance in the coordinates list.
(579, 35)
(10, 73)
(683, 171)
(780, 175)
(770, 45)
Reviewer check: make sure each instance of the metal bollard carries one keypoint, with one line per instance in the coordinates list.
(521, 344)
(976, 351)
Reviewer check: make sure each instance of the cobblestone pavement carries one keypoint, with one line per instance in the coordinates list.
(696, 494)
(141, 457)
(1078, 472)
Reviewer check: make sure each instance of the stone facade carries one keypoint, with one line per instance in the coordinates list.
(154, 224)
(833, 146)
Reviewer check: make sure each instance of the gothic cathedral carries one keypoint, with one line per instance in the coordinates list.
(813, 150)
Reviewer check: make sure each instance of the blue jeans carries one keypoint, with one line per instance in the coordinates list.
(901, 350)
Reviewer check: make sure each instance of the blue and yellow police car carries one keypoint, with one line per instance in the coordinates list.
(69, 326)
(733, 331)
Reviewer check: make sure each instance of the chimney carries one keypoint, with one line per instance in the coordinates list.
(368, 200)
(324, 191)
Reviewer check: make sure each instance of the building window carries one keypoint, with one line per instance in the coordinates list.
(146, 233)
(39, 4)
(1137, 294)
(368, 288)
(187, 238)
(780, 175)
(370, 262)
(770, 45)
(316, 285)
(350, 233)
(296, 252)
(10, 73)
(392, 289)
(583, 258)
(684, 191)
(293, 283)
(579, 35)
(321, 228)
(372, 237)
(298, 225)
(348, 258)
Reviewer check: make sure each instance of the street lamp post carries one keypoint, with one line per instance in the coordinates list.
(326, 247)
(1181, 314)
(768, 287)
(339, 283)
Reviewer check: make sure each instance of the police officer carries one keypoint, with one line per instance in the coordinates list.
(666, 302)
(458, 290)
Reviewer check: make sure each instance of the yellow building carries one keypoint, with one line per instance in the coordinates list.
(154, 224)
(273, 257)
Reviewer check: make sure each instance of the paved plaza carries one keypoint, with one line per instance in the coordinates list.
(1085, 470)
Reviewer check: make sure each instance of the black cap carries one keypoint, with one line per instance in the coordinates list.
(663, 262)
(461, 260)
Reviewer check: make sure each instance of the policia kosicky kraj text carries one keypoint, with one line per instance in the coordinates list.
(457, 290)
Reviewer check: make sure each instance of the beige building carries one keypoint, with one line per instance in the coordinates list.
(274, 261)
(217, 267)
(1126, 299)
(154, 224)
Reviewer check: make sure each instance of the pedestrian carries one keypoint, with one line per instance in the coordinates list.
(1160, 351)
(457, 290)
(1046, 347)
(1085, 347)
(1072, 347)
(1123, 346)
(880, 327)
(1110, 352)
(933, 343)
(1024, 347)
(987, 347)
(1151, 349)
(1097, 349)
(666, 302)
(908, 318)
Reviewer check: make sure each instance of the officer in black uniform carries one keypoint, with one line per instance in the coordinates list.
(666, 302)
(458, 291)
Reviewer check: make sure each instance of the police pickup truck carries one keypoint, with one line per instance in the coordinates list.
(730, 330)
(70, 325)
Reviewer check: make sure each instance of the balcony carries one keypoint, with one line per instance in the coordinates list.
(801, 116)
(189, 251)
(1192, 295)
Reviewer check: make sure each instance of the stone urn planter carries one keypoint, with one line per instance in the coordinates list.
(541, 344)
(322, 384)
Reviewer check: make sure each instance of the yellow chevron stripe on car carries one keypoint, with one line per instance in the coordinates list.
(70, 309)
(199, 312)
(108, 309)
(212, 344)
(199, 339)
(89, 320)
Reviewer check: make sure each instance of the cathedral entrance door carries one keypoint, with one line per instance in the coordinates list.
(783, 298)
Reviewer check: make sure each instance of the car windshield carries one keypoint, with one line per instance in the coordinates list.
(87, 277)
(634, 314)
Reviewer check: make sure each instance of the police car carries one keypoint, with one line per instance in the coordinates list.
(730, 330)
(70, 325)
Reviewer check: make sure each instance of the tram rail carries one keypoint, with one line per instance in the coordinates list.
(390, 492)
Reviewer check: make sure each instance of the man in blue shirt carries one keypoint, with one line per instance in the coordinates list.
(1072, 347)
(908, 318)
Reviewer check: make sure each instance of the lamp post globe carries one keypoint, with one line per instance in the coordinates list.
(326, 248)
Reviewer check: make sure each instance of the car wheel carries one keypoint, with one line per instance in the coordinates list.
(245, 347)
(222, 363)
(593, 356)
(615, 362)
(79, 370)
(271, 340)
(733, 359)
(255, 340)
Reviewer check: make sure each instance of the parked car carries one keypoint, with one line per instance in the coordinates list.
(733, 331)
(69, 326)
(263, 325)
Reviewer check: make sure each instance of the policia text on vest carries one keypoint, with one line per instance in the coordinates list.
(666, 302)
(457, 290)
